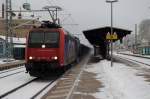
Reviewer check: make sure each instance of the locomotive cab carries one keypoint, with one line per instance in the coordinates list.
(43, 46)
(49, 47)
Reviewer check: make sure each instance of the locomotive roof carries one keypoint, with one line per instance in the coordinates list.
(48, 24)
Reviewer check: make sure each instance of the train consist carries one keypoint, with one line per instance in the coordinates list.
(50, 47)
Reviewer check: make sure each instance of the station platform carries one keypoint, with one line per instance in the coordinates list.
(11, 64)
(77, 84)
(98, 80)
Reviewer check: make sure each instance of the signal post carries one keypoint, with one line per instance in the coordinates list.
(110, 38)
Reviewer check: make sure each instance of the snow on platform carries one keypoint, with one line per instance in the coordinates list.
(120, 81)
(4, 61)
(15, 40)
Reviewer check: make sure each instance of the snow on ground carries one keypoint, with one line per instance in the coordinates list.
(14, 81)
(131, 53)
(4, 60)
(140, 59)
(15, 39)
(126, 52)
(120, 81)
(28, 91)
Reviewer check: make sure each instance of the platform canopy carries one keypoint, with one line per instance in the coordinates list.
(98, 36)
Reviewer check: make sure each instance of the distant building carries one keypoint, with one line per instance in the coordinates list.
(144, 48)
(20, 29)
(16, 42)
(2, 47)
(20, 26)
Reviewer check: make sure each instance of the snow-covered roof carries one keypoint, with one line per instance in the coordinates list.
(19, 46)
(15, 40)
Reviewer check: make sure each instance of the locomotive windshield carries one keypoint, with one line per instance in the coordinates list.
(49, 39)
(36, 37)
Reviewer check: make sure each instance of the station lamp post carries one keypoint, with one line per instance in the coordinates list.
(111, 2)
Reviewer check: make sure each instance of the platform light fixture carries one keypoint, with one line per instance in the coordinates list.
(111, 2)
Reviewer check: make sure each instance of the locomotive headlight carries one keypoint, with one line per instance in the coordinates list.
(43, 46)
(55, 57)
(30, 57)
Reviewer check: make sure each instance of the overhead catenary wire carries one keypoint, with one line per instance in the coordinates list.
(65, 13)
(24, 23)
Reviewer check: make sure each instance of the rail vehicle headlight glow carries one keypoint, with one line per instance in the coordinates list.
(43, 46)
(30, 57)
(55, 57)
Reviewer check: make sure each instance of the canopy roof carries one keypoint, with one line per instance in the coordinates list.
(98, 36)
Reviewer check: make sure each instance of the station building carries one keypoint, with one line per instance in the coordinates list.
(2, 47)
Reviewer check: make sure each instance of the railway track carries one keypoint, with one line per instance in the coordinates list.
(44, 88)
(4, 71)
(11, 65)
(68, 83)
(25, 88)
(16, 88)
(133, 60)
(11, 72)
(48, 85)
(135, 55)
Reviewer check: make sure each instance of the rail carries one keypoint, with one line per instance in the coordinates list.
(136, 55)
(11, 65)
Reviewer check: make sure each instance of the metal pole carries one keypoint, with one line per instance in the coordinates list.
(7, 31)
(10, 30)
(56, 16)
(50, 12)
(135, 37)
(3, 9)
(111, 34)
(111, 41)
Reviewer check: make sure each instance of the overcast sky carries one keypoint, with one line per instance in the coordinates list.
(91, 14)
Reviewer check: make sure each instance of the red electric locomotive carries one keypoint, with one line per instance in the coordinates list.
(50, 47)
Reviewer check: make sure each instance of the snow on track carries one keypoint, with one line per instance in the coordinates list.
(11, 69)
(28, 91)
(12, 72)
(14, 81)
(140, 59)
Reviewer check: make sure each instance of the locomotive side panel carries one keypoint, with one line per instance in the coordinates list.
(70, 49)
(61, 48)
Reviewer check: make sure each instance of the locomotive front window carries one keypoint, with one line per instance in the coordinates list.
(36, 37)
(50, 39)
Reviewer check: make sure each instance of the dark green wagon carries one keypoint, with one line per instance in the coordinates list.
(19, 52)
